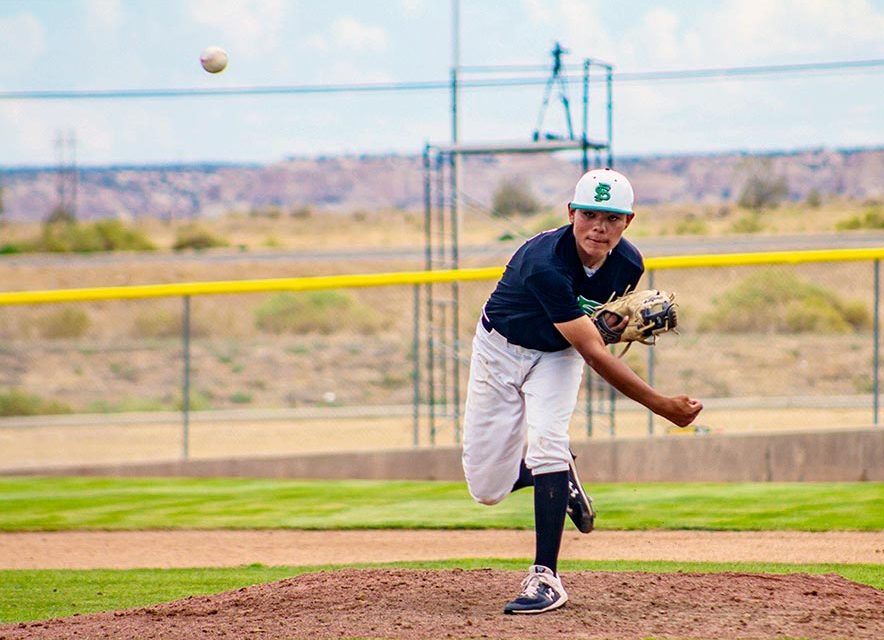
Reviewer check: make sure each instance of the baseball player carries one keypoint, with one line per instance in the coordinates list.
(527, 363)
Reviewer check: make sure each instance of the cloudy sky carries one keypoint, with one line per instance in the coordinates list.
(89, 45)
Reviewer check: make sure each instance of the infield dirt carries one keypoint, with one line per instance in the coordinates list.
(279, 547)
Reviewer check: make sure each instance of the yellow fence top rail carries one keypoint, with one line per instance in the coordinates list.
(312, 283)
(769, 257)
(315, 283)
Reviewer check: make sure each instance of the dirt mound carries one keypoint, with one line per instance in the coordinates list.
(400, 603)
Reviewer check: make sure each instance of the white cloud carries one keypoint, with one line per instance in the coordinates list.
(586, 34)
(538, 11)
(104, 15)
(349, 33)
(23, 41)
(751, 31)
(34, 128)
(344, 71)
(664, 42)
(315, 42)
(28, 139)
(413, 7)
(250, 28)
(732, 32)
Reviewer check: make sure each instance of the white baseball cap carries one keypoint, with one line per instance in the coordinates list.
(603, 190)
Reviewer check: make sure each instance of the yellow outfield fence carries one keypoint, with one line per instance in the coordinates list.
(769, 341)
(317, 283)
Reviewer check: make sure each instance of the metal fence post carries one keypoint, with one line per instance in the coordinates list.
(612, 399)
(185, 394)
(416, 376)
(875, 349)
(651, 363)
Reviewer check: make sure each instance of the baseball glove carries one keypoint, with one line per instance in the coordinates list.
(650, 312)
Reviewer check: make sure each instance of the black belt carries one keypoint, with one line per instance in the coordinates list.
(487, 324)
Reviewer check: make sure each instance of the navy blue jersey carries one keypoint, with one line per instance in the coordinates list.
(542, 281)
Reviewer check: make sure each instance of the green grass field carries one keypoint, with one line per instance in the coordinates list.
(58, 504)
(44, 504)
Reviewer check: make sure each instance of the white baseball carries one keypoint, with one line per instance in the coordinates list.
(213, 59)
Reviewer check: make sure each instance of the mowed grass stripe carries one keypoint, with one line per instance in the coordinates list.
(27, 595)
(48, 504)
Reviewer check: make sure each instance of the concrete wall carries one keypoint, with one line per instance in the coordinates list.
(856, 455)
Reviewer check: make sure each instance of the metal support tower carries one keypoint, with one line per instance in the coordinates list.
(556, 79)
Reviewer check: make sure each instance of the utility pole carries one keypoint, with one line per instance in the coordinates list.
(2, 210)
(456, 216)
(66, 177)
(455, 158)
(74, 173)
(60, 182)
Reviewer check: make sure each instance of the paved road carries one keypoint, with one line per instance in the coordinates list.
(650, 247)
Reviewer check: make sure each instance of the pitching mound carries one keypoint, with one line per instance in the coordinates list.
(468, 604)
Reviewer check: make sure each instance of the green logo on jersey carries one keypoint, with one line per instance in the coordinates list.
(588, 306)
(602, 192)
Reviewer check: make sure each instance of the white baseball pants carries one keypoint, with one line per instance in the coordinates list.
(514, 391)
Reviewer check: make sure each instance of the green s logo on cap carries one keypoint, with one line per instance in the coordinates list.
(602, 192)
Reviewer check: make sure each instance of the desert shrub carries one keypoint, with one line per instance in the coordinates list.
(762, 191)
(749, 223)
(814, 199)
(61, 214)
(103, 235)
(166, 323)
(638, 362)
(194, 236)
(871, 218)
(123, 405)
(240, 397)
(316, 312)
(394, 381)
(301, 212)
(855, 313)
(124, 371)
(271, 212)
(513, 197)
(62, 322)
(775, 302)
(119, 237)
(691, 226)
(18, 403)
(200, 400)
(552, 220)
(157, 323)
(814, 313)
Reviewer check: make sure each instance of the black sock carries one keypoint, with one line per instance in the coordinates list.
(525, 479)
(550, 505)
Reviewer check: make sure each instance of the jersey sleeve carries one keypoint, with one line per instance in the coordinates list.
(555, 293)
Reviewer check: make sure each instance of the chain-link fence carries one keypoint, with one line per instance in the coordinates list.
(765, 346)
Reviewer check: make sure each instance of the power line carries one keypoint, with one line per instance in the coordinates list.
(817, 68)
(765, 70)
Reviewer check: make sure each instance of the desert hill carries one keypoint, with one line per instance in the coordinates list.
(376, 182)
